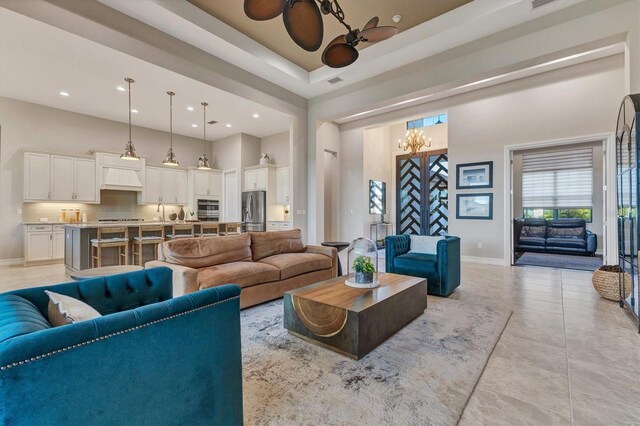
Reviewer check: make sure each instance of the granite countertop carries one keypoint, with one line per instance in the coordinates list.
(129, 224)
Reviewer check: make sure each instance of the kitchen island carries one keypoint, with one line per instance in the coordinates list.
(78, 236)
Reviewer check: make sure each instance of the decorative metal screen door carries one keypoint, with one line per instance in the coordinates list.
(422, 193)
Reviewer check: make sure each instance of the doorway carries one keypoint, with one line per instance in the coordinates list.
(556, 210)
(422, 193)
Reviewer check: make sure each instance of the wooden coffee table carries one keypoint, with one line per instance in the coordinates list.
(353, 321)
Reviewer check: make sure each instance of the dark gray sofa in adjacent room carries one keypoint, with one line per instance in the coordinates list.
(561, 236)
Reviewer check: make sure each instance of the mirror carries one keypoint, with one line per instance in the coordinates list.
(377, 197)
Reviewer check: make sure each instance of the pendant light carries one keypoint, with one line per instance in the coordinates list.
(130, 150)
(170, 160)
(203, 162)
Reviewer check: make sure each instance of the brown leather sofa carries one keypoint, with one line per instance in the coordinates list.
(264, 264)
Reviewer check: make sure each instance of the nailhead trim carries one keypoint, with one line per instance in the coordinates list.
(117, 333)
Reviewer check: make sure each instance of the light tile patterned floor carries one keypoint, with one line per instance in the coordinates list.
(566, 356)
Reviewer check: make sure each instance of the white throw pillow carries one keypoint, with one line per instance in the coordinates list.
(425, 244)
(65, 310)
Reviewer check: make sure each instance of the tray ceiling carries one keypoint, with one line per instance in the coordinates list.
(273, 35)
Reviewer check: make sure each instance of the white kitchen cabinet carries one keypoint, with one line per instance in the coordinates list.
(216, 184)
(53, 177)
(282, 185)
(62, 179)
(44, 242)
(250, 180)
(39, 246)
(58, 245)
(85, 179)
(207, 183)
(180, 187)
(278, 226)
(152, 185)
(165, 185)
(36, 176)
(202, 183)
(168, 187)
(259, 177)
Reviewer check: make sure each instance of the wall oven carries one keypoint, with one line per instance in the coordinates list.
(209, 210)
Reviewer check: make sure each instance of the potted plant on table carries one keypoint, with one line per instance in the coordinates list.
(364, 269)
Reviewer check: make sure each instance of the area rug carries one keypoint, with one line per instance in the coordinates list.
(564, 261)
(423, 375)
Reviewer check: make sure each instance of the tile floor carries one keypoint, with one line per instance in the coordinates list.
(565, 357)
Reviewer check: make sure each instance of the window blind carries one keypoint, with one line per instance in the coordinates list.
(561, 179)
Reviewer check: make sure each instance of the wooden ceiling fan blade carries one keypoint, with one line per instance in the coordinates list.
(340, 39)
(303, 22)
(374, 35)
(263, 10)
(373, 22)
(340, 55)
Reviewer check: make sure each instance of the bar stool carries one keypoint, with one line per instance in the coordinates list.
(181, 230)
(120, 239)
(233, 228)
(209, 229)
(147, 234)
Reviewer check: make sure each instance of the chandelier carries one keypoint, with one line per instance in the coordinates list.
(414, 140)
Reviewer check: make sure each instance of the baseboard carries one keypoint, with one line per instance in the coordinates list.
(484, 260)
(11, 262)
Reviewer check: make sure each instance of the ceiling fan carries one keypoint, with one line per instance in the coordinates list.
(303, 21)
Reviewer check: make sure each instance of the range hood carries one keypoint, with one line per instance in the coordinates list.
(117, 174)
(121, 179)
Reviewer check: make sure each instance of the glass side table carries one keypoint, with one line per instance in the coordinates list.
(378, 231)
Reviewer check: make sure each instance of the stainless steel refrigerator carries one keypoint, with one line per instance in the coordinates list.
(254, 211)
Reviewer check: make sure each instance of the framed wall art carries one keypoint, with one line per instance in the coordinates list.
(474, 206)
(474, 175)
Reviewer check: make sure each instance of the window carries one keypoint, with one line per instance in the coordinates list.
(584, 213)
(427, 121)
(558, 184)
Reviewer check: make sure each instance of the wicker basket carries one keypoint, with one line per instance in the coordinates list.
(607, 284)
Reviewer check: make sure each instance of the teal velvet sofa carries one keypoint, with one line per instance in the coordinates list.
(149, 360)
(442, 270)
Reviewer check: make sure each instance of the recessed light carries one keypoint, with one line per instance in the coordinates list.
(194, 125)
(133, 110)
(228, 124)
(396, 18)
(256, 115)
(121, 89)
(190, 108)
(63, 93)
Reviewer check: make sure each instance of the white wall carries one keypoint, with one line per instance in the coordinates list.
(27, 125)
(578, 100)
(376, 166)
(277, 146)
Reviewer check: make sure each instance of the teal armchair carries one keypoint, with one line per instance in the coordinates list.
(150, 359)
(442, 270)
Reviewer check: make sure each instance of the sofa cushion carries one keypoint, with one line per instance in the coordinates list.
(293, 264)
(532, 241)
(65, 310)
(565, 232)
(413, 260)
(201, 252)
(533, 231)
(19, 316)
(265, 244)
(245, 274)
(564, 242)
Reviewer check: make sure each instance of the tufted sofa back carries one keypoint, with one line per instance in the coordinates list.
(111, 294)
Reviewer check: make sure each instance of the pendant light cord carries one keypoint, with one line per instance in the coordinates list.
(171, 122)
(129, 81)
(204, 129)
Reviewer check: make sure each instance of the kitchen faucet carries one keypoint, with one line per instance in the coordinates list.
(158, 209)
